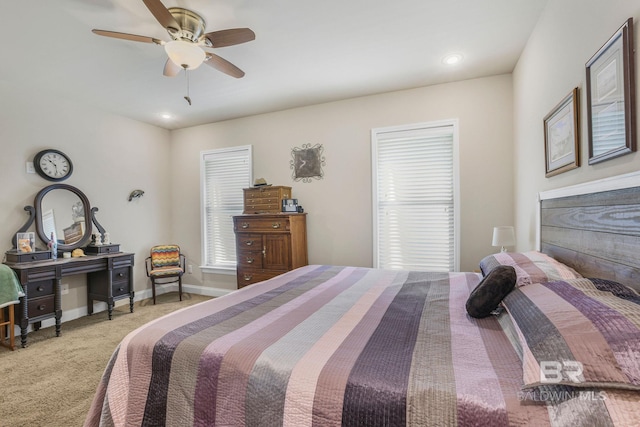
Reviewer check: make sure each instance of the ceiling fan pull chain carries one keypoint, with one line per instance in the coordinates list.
(187, 98)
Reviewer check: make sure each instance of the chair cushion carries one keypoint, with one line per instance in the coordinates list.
(165, 256)
(166, 271)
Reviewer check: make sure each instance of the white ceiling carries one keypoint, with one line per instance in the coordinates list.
(306, 52)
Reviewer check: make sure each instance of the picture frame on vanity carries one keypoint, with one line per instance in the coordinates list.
(561, 136)
(25, 242)
(611, 97)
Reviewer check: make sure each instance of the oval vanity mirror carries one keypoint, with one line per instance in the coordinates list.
(65, 211)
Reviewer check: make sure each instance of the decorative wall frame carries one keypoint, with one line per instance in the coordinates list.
(561, 136)
(307, 162)
(611, 97)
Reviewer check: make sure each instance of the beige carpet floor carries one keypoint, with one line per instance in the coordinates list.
(52, 381)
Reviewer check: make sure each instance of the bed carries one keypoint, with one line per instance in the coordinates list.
(339, 345)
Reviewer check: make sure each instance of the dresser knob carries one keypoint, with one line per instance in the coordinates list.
(275, 225)
(247, 277)
(249, 242)
(42, 307)
(120, 289)
(245, 225)
(40, 289)
(250, 260)
(120, 274)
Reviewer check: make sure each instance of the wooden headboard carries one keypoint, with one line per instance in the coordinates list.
(594, 228)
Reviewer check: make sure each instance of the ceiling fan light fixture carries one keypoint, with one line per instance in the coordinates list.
(185, 54)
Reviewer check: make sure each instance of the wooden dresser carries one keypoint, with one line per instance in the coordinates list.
(265, 199)
(268, 245)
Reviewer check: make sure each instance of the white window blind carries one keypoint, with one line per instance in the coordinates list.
(224, 173)
(414, 197)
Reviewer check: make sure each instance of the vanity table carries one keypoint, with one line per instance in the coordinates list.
(109, 278)
(58, 209)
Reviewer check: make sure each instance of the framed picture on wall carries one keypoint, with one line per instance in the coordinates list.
(611, 97)
(561, 136)
(307, 162)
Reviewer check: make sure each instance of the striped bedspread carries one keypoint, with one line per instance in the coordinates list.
(324, 346)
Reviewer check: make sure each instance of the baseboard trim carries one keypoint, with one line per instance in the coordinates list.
(99, 306)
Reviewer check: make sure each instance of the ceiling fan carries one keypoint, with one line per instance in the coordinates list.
(187, 31)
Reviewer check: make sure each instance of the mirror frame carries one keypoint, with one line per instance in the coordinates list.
(88, 214)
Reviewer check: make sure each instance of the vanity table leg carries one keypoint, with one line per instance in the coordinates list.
(24, 318)
(58, 304)
(24, 327)
(89, 302)
(131, 293)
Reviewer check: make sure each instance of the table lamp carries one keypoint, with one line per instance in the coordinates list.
(503, 236)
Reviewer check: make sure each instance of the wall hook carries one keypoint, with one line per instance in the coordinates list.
(135, 194)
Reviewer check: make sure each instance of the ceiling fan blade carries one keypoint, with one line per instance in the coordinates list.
(171, 69)
(230, 37)
(223, 65)
(162, 14)
(126, 36)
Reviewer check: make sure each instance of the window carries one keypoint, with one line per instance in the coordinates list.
(223, 175)
(415, 197)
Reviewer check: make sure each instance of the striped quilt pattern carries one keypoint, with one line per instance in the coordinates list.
(322, 346)
(531, 267)
(591, 321)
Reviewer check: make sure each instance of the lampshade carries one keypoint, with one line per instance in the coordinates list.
(503, 236)
(185, 54)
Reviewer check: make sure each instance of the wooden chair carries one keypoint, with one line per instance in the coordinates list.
(165, 265)
(10, 324)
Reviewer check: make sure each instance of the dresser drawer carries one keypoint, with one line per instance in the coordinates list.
(255, 208)
(249, 242)
(119, 288)
(14, 256)
(250, 259)
(40, 306)
(248, 277)
(279, 192)
(40, 289)
(270, 223)
(120, 275)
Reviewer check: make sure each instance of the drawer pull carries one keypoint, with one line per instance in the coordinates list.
(120, 289)
(249, 242)
(245, 225)
(247, 277)
(275, 225)
(250, 260)
(120, 274)
(42, 307)
(40, 289)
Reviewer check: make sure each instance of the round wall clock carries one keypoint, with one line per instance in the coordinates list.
(53, 165)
